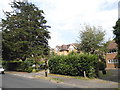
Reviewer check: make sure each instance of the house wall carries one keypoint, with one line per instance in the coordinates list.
(62, 53)
(65, 52)
(73, 50)
(111, 56)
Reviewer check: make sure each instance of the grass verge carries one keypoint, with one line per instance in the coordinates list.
(49, 78)
(75, 77)
(105, 75)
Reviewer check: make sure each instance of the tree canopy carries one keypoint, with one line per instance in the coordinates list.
(25, 33)
(117, 37)
(91, 38)
(0, 45)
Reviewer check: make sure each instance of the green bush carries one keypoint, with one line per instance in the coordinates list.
(27, 65)
(22, 66)
(74, 65)
(29, 69)
(41, 65)
(101, 65)
(11, 65)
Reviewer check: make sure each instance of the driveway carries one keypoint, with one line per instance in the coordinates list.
(112, 75)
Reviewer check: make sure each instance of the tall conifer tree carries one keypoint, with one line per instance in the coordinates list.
(25, 33)
(117, 38)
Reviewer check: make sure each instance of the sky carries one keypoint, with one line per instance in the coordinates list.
(119, 9)
(68, 17)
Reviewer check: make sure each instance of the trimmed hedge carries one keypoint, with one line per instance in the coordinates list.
(11, 65)
(24, 66)
(74, 65)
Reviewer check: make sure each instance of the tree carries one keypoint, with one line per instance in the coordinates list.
(117, 38)
(91, 38)
(0, 46)
(25, 33)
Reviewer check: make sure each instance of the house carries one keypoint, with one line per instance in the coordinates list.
(66, 49)
(111, 55)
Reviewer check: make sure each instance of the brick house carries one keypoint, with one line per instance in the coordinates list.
(111, 55)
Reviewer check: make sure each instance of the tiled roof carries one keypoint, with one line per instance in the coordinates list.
(65, 47)
(75, 45)
(112, 45)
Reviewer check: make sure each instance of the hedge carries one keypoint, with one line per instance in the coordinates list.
(74, 65)
(101, 65)
(24, 66)
(11, 65)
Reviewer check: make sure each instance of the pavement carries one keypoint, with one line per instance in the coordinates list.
(68, 80)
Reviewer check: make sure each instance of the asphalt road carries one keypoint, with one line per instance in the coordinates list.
(12, 81)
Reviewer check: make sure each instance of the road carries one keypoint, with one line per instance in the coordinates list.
(12, 81)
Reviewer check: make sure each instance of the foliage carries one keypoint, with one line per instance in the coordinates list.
(91, 38)
(25, 33)
(117, 37)
(102, 65)
(11, 65)
(74, 65)
(0, 45)
(72, 53)
(26, 65)
(42, 65)
(29, 62)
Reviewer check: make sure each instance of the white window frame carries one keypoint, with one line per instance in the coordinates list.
(113, 61)
(111, 51)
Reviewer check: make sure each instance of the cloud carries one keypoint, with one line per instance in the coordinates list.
(66, 17)
(4, 6)
(55, 39)
(70, 14)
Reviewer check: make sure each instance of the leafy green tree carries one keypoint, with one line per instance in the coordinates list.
(91, 38)
(91, 41)
(0, 46)
(117, 37)
(25, 33)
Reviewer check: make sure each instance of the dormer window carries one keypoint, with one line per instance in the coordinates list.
(71, 48)
(56, 50)
(113, 61)
(112, 51)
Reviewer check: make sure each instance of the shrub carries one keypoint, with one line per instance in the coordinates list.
(24, 66)
(74, 65)
(27, 65)
(11, 65)
(101, 65)
(29, 61)
(41, 65)
(29, 69)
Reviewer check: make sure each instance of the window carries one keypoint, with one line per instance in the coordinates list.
(71, 48)
(112, 51)
(56, 50)
(113, 61)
